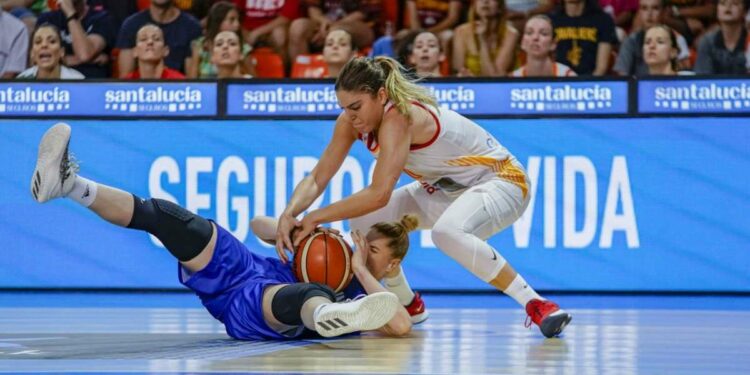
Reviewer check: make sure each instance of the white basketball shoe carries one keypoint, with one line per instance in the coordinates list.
(55, 172)
(365, 314)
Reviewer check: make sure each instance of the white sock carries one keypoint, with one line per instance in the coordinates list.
(84, 191)
(520, 291)
(400, 287)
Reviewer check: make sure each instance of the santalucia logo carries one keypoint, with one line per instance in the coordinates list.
(455, 98)
(29, 99)
(296, 99)
(561, 97)
(696, 91)
(702, 96)
(153, 99)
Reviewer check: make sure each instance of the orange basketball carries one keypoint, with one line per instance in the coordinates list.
(324, 258)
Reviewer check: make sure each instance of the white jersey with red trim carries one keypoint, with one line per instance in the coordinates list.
(460, 155)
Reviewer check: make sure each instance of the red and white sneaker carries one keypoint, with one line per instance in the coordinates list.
(550, 318)
(416, 309)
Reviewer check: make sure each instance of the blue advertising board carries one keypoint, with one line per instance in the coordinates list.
(693, 96)
(115, 99)
(315, 99)
(616, 204)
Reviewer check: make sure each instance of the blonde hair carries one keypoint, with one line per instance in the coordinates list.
(397, 232)
(363, 74)
(502, 24)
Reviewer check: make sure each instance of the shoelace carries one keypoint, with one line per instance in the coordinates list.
(529, 320)
(358, 297)
(69, 163)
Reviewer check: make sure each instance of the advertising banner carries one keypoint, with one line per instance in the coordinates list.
(114, 99)
(694, 96)
(616, 205)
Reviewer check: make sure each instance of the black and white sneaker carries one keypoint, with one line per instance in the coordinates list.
(365, 314)
(55, 172)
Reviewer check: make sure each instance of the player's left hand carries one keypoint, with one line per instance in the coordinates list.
(362, 251)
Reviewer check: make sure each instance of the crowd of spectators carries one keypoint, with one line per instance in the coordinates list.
(173, 39)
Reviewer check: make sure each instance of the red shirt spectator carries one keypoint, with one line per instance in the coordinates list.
(260, 12)
(165, 74)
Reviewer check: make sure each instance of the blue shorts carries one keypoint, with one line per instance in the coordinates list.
(231, 287)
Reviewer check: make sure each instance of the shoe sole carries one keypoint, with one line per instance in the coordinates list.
(52, 149)
(369, 313)
(419, 318)
(553, 325)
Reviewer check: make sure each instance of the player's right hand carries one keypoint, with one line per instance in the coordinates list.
(287, 224)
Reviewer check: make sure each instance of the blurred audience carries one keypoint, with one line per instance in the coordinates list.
(358, 18)
(47, 56)
(660, 50)
(118, 10)
(538, 42)
(14, 45)
(485, 45)
(435, 16)
(227, 55)
(25, 10)
(223, 16)
(150, 52)
(622, 13)
(689, 17)
(338, 50)
(724, 50)
(87, 35)
(266, 22)
(521, 10)
(630, 56)
(585, 36)
(426, 55)
(179, 30)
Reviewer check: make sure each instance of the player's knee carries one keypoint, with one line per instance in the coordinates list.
(288, 301)
(446, 236)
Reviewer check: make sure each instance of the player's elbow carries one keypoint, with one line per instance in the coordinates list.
(381, 197)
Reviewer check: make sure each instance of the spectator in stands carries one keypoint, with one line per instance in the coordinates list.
(689, 17)
(266, 22)
(118, 10)
(87, 36)
(358, 18)
(14, 45)
(338, 50)
(179, 30)
(585, 36)
(150, 52)
(485, 45)
(723, 51)
(521, 10)
(227, 55)
(437, 17)
(538, 42)
(622, 13)
(47, 55)
(630, 57)
(660, 50)
(25, 10)
(426, 55)
(223, 16)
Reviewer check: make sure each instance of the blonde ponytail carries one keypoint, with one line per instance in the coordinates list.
(401, 90)
(362, 74)
(397, 232)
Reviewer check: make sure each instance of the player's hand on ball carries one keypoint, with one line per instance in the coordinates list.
(287, 225)
(306, 227)
(362, 251)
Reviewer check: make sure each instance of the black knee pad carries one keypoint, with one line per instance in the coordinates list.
(182, 232)
(288, 301)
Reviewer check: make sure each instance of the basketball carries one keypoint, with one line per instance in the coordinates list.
(324, 258)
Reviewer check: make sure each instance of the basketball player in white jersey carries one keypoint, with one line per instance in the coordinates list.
(468, 186)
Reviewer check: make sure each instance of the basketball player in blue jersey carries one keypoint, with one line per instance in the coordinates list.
(256, 297)
(468, 186)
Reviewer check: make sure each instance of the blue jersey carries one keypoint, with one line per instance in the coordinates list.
(231, 287)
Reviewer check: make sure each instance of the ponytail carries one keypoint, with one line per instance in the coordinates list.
(363, 74)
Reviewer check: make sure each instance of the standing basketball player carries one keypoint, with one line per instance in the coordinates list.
(468, 186)
(255, 297)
